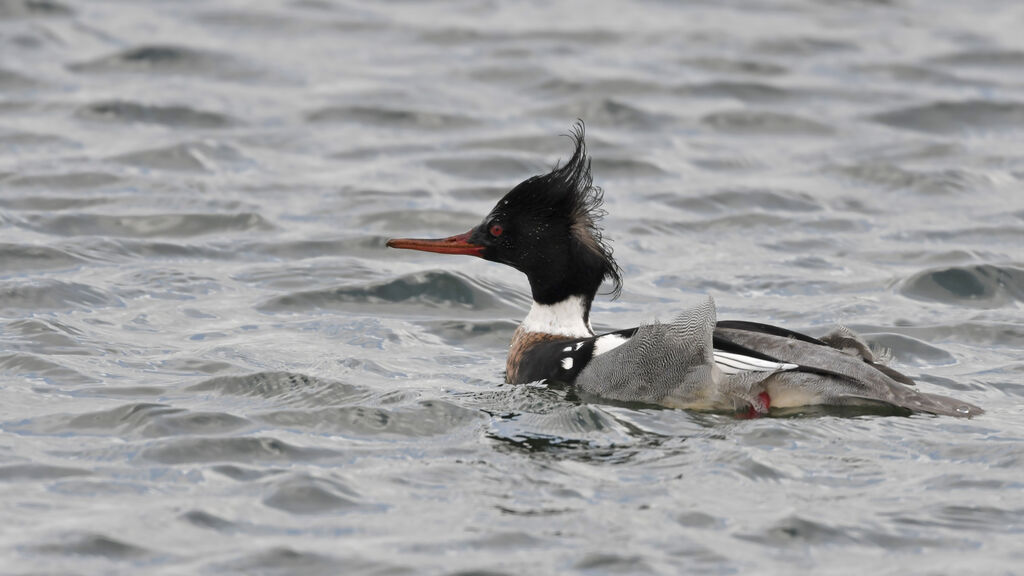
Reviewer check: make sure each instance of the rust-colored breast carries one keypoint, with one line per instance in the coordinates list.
(522, 342)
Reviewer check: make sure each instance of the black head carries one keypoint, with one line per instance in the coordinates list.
(546, 227)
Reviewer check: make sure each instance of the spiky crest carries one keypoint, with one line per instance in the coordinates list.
(568, 191)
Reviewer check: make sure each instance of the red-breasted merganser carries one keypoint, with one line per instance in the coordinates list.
(546, 227)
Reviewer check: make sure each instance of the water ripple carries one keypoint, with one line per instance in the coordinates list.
(31, 472)
(148, 226)
(432, 289)
(957, 117)
(13, 9)
(211, 363)
(48, 294)
(766, 123)
(983, 286)
(169, 59)
(305, 494)
(423, 419)
(284, 388)
(95, 544)
(196, 450)
(191, 157)
(395, 117)
(174, 116)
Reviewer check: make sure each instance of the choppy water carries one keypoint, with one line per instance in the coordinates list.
(210, 364)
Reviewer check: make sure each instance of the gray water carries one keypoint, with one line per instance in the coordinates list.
(210, 364)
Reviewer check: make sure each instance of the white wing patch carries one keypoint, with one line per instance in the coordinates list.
(731, 363)
(566, 363)
(608, 342)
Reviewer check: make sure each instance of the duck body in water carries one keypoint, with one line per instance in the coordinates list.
(547, 228)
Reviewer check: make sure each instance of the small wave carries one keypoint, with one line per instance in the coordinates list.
(196, 450)
(628, 87)
(785, 286)
(743, 91)
(914, 73)
(144, 420)
(974, 518)
(482, 334)
(203, 519)
(44, 333)
(517, 74)
(174, 116)
(12, 81)
(988, 334)
(727, 163)
(285, 560)
(188, 157)
(529, 143)
(188, 423)
(94, 544)
(422, 419)
(148, 226)
(731, 201)
(246, 474)
(36, 141)
(170, 284)
(613, 563)
(750, 221)
(609, 112)
(956, 117)
(31, 366)
(984, 236)
(392, 117)
(109, 249)
(804, 46)
(47, 294)
(123, 419)
(169, 59)
(487, 168)
(65, 181)
(288, 23)
(985, 285)
(305, 494)
(14, 9)
(284, 388)
(295, 250)
(566, 427)
(462, 35)
(983, 59)
(736, 66)
(20, 258)
(612, 168)
(410, 220)
(911, 351)
(435, 289)
(890, 176)
(764, 123)
(795, 531)
(34, 472)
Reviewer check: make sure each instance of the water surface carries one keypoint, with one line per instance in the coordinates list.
(210, 364)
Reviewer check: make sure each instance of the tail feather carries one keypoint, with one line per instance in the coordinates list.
(844, 371)
(932, 403)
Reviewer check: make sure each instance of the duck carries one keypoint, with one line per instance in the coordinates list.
(548, 228)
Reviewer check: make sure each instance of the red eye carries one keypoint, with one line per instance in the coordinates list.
(496, 230)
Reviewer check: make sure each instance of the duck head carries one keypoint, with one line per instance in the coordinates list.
(547, 228)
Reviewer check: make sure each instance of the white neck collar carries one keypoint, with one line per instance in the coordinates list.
(565, 318)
